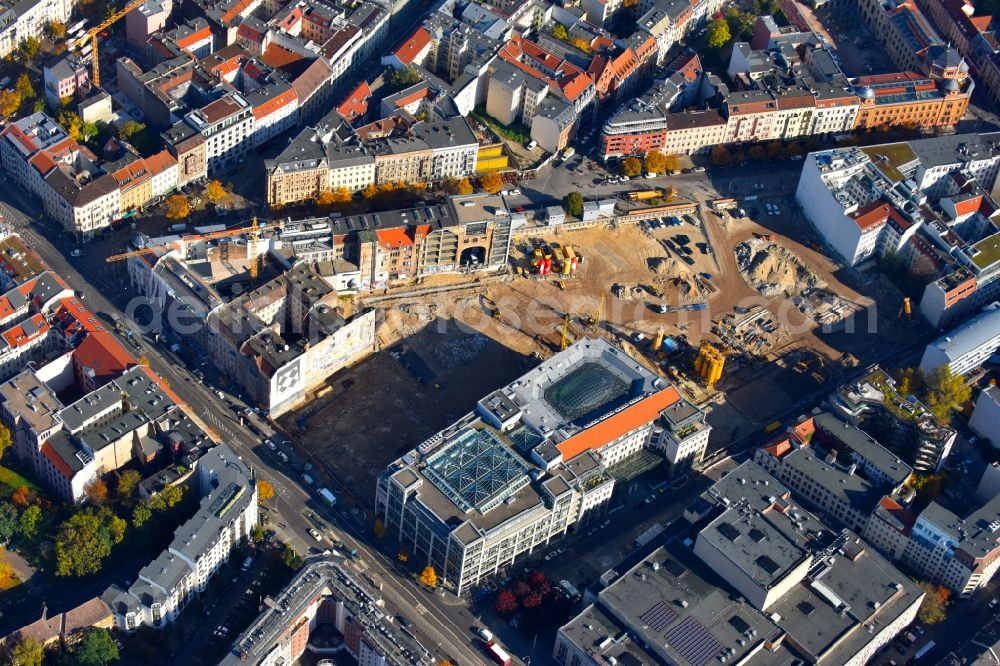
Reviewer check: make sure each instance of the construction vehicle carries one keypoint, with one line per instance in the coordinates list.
(252, 231)
(94, 33)
(658, 340)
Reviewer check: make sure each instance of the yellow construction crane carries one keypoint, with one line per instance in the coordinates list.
(565, 333)
(252, 231)
(94, 33)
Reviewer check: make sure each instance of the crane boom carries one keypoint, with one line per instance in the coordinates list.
(252, 231)
(93, 33)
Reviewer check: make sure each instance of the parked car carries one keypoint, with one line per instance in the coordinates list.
(314, 534)
(271, 445)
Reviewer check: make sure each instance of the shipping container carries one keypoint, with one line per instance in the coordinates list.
(327, 496)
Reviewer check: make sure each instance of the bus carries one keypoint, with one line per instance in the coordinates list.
(499, 655)
(924, 650)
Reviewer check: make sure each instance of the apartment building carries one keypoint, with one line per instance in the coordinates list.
(64, 77)
(967, 346)
(682, 434)
(910, 99)
(224, 521)
(985, 419)
(325, 593)
(20, 20)
(227, 125)
(764, 581)
(902, 28)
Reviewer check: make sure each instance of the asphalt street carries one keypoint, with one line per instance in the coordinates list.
(94, 280)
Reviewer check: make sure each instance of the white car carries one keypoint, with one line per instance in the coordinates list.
(222, 396)
(515, 193)
(624, 179)
(650, 175)
(314, 534)
(271, 445)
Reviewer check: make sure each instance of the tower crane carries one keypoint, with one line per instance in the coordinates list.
(93, 34)
(251, 231)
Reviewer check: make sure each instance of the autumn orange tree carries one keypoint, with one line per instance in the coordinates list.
(215, 191)
(491, 182)
(178, 207)
(265, 490)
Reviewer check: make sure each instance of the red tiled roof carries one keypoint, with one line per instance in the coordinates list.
(73, 316)
(804, 431)
(417, 42)
(779, 447)
(195, 37)
(278, 56)
(274, 104)
(160, 162)
(17, 336)
(101, 353)
(906, 517)
(871, 216)
(968, 206)
(356, 104)
(618, 424)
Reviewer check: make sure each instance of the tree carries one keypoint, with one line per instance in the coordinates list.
(795, 148)
(265, 490)
(581, 43)
(465, 187)
(167, 498)
(718, 34)
(8, 521)
(631, 167)
(128, 481)
(536, 578)
(935, 604)
(656, 162)
(70, 122)
(215, 191)
(342, 195)
(324, 198)
(506, 602)
(910, 381)
(56, 29)
(28, 523)
(24, 88)
(258, 533)
(29, 48)
(85, 540)
(559, 32)
(721, 156)
(429, 577)
(96, 648)
(533, 600)
(379, 528)
(141, 515)
(740, 23)
(290, 558)
(88, 131)
(22, 496)
(573, 204)
(370, 192)
(10, 102)
(5, 439)
(946, 391)
(775, 151)
(97, 492)
(129, 129)
(757, 153)
(178, 207)
(491, 182)
(27, 652)
(403, 78)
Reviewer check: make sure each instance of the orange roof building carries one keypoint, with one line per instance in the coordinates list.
(532, 458)
(99, 359)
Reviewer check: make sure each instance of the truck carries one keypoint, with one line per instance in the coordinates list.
(771, 427)
(642, 195)
(308, 479)
(327, 496)
(924, 650)
(568, 153)
(499, 655)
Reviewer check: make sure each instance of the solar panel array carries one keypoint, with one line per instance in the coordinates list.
(658, 617)
(694, 642)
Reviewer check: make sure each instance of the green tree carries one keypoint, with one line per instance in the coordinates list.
(29, 48)
(718, 34)
(258, 533)
(8, 521)
(934, 607)
(27, 652)
(559, 32)
(38, 106)
(946, 391)
(10, 102)
(167, 498)
(85, 540)
(740, 23)
(631, 167)
(5, 439)
(128, 481)
(290, 558)
(96, 648)
(129, 129)
(28, 523)
(573, 204)
(24, 87)
(910, 381)
(141, 515)
(88, 131)
(404, 78)
(70, 122)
